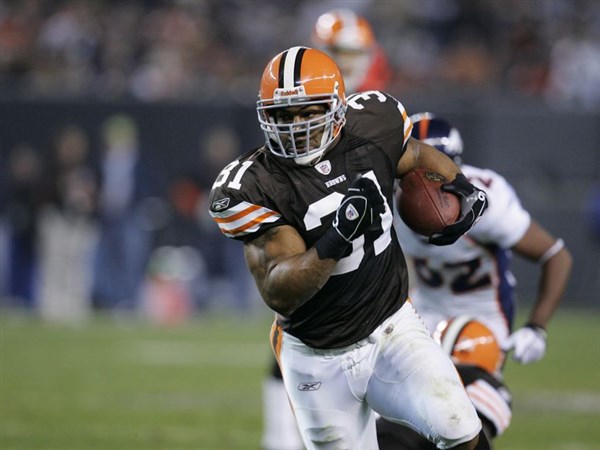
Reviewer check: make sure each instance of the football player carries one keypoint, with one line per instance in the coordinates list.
(472, 277)
(478, 358)
(313, 209)
(349, 39)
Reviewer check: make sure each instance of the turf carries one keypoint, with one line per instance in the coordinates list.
(117, 384)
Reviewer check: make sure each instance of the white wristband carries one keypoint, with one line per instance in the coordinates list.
(553, 250)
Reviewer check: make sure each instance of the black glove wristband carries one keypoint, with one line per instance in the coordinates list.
(332, 245)
(537, 328)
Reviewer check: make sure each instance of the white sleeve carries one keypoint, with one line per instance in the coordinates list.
(505, 221)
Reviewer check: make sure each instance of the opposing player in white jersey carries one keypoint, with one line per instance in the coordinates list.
(472, 277)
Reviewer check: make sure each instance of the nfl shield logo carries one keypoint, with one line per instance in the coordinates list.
(324, 167)
(351, 213)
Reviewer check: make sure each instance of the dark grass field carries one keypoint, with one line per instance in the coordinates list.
(117, 384)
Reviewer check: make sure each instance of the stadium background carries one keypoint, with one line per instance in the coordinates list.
(521, 80)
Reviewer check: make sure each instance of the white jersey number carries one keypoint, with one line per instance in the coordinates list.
(224, 175)
(462, 275)
(319, 209)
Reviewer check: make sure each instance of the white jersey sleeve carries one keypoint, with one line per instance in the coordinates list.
(505, 221)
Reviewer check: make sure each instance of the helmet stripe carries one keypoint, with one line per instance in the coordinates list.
(289, 67)
(298, 65)
(280, 71)
(450, 335)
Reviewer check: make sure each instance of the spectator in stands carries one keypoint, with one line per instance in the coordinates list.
(68, 229)
(23, 188)
(129, 183)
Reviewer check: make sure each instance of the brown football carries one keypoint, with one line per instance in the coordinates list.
(422, 204)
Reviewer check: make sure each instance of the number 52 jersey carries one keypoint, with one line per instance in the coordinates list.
(259, 191)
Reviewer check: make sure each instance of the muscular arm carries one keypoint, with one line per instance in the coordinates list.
(554, 272)
(419, 154)
(286, 273)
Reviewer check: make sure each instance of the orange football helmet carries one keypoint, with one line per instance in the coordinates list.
(350, 40)
(469, 341)
(301, 76)
(344, 29)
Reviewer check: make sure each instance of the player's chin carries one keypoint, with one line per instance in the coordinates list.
(301, 146)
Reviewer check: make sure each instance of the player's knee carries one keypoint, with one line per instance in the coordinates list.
(329, 438)
(479, 442)
(459, 432)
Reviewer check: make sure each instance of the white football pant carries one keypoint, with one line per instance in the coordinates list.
(399, 372)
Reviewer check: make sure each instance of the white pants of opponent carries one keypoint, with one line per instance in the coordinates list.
(399, 372)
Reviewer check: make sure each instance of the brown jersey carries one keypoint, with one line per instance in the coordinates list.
(259, 191)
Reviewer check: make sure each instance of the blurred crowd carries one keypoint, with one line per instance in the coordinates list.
(84, 230)
(215, 50)
(116, 234)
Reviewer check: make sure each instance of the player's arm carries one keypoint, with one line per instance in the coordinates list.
(473, 201)
(421, 155)
(286, 272)
(537, 244)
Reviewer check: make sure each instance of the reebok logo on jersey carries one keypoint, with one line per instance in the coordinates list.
(309, 386)
(351, 212)
(324, 167)
(335, 181)
(218, 205)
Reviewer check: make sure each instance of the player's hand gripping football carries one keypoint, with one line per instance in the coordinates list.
(528, 344)
(473, 202)
(360, 207)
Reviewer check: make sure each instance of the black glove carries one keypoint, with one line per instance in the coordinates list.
(358, 210)
(473, 202)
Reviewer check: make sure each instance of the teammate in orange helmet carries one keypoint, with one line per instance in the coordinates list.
(313, 209)
(350, 40)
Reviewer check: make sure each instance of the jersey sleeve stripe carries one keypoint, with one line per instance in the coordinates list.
(407, 129)
(489, 403)
(408, 125)
(243, 218)
(233, 214)
(252, 225)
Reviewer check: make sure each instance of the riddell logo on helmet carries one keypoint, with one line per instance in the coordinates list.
(289, 92)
